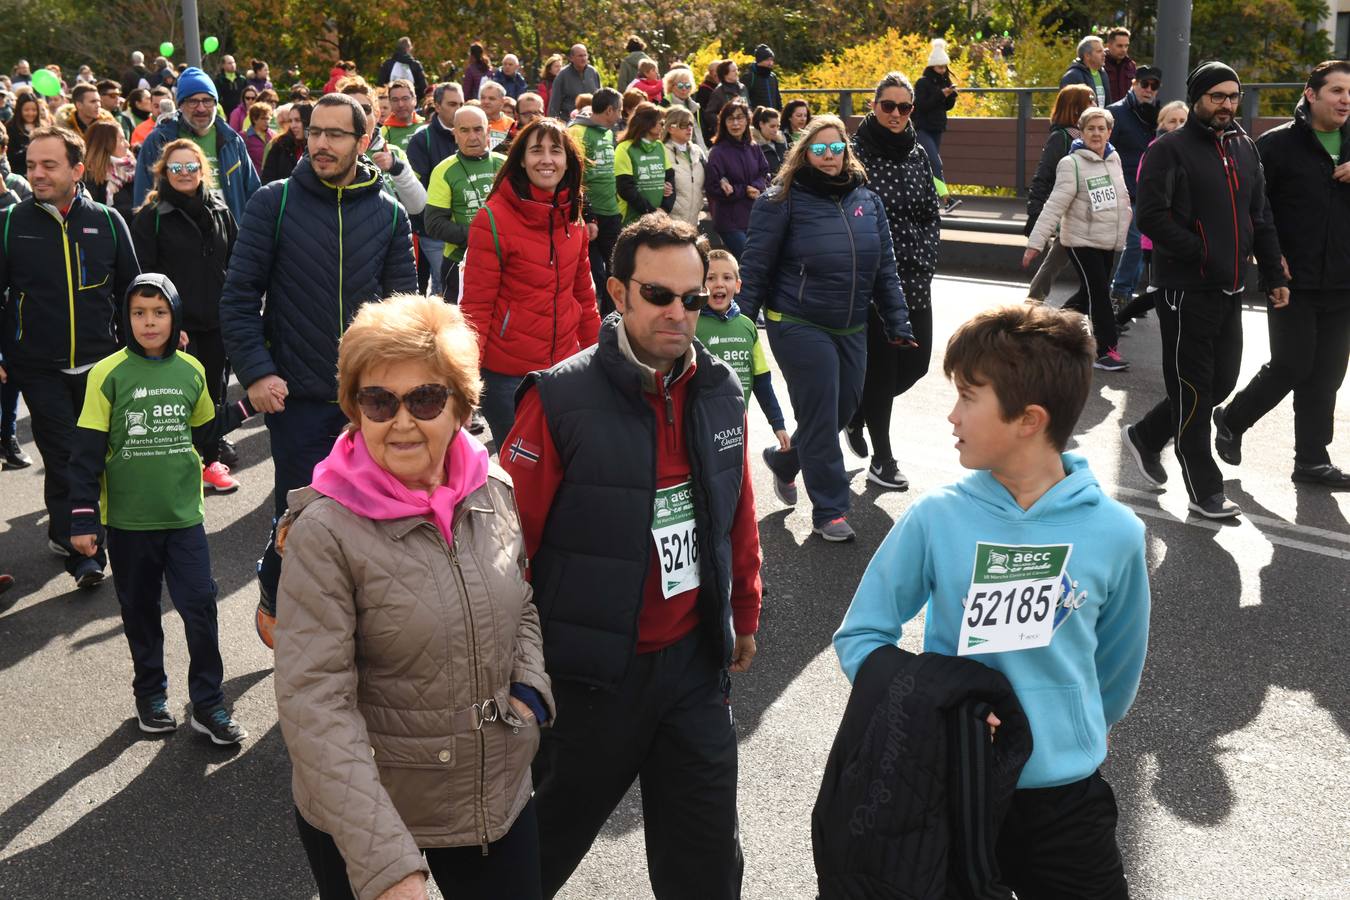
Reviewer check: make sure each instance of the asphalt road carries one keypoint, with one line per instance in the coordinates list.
(1230, 769)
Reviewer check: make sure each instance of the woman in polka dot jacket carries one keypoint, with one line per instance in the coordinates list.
(898, 170)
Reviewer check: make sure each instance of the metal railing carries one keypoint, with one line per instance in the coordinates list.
(1251, 103)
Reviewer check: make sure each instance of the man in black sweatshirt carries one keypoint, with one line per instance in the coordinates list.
(1307, 168)
(1202, 201)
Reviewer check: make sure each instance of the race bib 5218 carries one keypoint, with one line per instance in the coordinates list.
(676, 534)
(1013, 594)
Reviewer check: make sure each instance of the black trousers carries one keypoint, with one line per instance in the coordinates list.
(1202, 351)
(602, 250)
(510, 868)
(1059, 843)
(301, 437)
(142, 561)
(1309, 345)
(668, 725)
(1093, 297)
(54, 401)
(890, 372)
(209, 349)
(449, 280)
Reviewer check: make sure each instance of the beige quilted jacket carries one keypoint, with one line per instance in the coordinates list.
(394, 659)
(1070, 204)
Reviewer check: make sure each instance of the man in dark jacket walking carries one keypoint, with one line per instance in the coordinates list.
(433, 142)
(1136, 120)
(645, 560)
(1119, 68)
(1087, 69)
(578, 77)
(318, 245)
(59, 245)
(1202, 202)
(229, 84)
(403, 65)
(1307, 167)
(761, 81)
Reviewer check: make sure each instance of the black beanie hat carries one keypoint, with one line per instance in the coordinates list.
(1205, 76)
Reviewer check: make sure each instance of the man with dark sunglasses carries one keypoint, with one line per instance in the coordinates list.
(1136, 120)
(631, 475)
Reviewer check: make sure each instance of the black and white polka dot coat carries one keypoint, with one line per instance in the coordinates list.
(907, 192)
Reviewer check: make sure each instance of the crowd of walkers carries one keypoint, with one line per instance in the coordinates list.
(475, 660)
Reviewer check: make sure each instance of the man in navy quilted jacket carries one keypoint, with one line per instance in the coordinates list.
(318, 245)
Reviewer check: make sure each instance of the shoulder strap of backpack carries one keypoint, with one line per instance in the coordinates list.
(9, 214)
(496, 241)
(276, 232)
(108, 214)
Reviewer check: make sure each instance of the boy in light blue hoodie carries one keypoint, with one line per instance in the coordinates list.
(1027, 567)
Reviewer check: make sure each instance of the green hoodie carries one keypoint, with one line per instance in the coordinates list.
(597, 143)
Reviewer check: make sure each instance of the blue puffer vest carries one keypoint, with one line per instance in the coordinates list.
(318, 253)
(595, 554)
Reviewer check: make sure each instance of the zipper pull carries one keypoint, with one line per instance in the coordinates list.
(670, 406)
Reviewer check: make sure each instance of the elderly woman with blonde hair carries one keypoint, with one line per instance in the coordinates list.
(409, 666)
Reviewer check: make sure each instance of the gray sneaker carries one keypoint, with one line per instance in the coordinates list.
(218, 725)
(836, 530)
(785, 491)
(1149, 464)
(153, 716)
(1216, 507)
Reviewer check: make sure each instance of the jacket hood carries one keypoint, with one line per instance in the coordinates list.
(1069, 501)
(731, 312)
(367, 179)
(403, 56)
(588, 122)
(166, 287)
(1079, 145)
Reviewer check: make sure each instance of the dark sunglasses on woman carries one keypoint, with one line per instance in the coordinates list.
(835, 147)
(890, 107)
(657, 295)
(426, 401)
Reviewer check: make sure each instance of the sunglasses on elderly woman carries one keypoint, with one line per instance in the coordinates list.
(191, 168)
(835, 147)
(657, 295)
(890, 107)
(426, 401)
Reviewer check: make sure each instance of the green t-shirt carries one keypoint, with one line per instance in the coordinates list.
(399, 135)
(646, 162)
(735, 341)
(208, 144)
(1331, 142)
(598, 145)
(1100, 87)
(152, 479)
(461, 185)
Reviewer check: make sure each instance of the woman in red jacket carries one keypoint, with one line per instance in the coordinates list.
(527, 286)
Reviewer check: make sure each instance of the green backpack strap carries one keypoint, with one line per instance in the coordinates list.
(276, 232)
(496, 241)
(108, 213)
(9, 214)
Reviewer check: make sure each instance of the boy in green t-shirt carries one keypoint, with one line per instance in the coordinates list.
(734, 339)
(136, 469)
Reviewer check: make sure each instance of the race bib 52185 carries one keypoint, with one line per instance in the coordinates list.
(1013, 594)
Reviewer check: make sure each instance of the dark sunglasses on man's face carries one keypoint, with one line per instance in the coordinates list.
(426, 401)
(659, 295)
(890, 107)
(1150, 84)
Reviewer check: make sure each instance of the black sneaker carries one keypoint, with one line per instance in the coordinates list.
(1325, 474)
(1215, 507)
(153, 716)
(12, 455)
(226, 453)
(1227, 444)
(1149, 464)
(888, 475)
(856, 440)
(217, 725)
(88, 574)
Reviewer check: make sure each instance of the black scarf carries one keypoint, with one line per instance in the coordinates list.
(886, 143)
(832, 186)
(194, 207)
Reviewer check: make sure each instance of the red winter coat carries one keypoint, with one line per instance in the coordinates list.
(541, 309)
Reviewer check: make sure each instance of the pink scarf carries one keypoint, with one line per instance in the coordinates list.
(351, 477)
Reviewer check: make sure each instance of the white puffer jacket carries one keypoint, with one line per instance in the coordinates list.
(689, 165)
(1080, 178)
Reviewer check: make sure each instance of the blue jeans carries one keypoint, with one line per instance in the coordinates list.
(498, 403)
(824, 374)
(931, 141)
(1130, 267)
(433, 250)
(734, 241)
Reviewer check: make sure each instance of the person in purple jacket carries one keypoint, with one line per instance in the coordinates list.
(736, 173)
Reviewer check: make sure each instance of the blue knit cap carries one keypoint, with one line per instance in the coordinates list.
(195, 81)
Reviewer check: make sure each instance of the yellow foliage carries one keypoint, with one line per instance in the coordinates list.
(700, 59)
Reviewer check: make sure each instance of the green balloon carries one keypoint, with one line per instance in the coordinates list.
(211, 44)
(979, 36)
(166, 48)
(46, 83)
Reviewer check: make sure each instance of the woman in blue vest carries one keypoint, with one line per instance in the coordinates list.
(819, 255)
